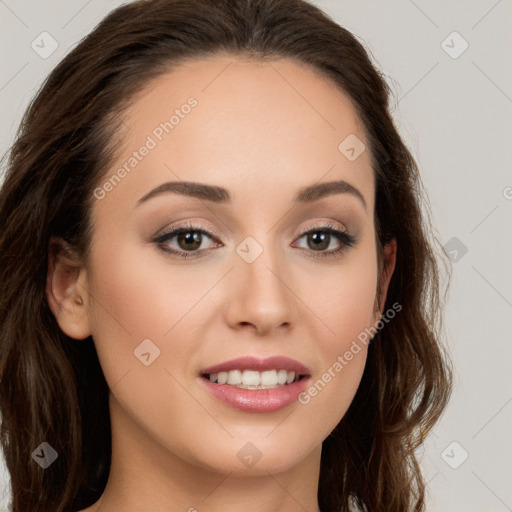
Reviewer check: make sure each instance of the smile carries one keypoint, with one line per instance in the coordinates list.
(252, 379)
(256, 385)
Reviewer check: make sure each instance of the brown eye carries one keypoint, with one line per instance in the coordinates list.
(188, 241)
(318, 240)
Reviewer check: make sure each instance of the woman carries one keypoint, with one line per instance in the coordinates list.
(217, 285)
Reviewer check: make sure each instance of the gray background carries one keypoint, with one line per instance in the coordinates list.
(454, 112)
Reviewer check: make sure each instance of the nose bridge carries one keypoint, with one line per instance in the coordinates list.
(262, 296)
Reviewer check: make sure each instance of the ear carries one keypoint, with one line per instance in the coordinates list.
(387, 268)
(66, 291)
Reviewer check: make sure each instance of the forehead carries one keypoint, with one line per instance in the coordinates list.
(244, 125)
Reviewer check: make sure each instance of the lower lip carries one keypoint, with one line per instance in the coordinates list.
(257, 400)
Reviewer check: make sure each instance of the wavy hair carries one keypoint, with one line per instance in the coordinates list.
(52, 387)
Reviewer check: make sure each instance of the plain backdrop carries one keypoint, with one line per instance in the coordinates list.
(449, 64)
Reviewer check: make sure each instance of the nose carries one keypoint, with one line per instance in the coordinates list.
(260, 296)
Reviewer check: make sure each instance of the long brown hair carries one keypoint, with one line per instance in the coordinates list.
(52, 387)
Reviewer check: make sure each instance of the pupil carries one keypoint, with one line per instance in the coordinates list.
(190, 239)
(322, 238)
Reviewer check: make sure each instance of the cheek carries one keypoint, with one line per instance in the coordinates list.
(343, 299)
(144, 298)
(134, 300)
(345, 305)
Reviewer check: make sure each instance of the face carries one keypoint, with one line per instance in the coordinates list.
(260, 270)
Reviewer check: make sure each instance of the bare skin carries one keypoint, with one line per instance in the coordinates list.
(175, 445)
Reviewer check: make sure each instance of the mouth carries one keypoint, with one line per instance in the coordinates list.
(252, 379)
(253, 373)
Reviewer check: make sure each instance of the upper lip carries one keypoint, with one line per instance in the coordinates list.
(259, 364)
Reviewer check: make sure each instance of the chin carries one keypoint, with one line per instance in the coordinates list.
(256, 455)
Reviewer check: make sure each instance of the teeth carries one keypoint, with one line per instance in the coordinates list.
(281, 376)
(251, 379)
(269, 378)
(234, 377)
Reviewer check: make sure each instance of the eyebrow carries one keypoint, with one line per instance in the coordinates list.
(222, 196)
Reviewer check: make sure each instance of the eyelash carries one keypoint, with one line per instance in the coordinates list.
(347, 240)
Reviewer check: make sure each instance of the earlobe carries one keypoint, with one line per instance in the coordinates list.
(65, 290)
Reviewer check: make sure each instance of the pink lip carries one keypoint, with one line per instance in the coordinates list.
(258, 400)
(259, 364)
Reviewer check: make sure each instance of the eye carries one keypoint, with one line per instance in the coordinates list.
(189, 239)
(320, 238)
